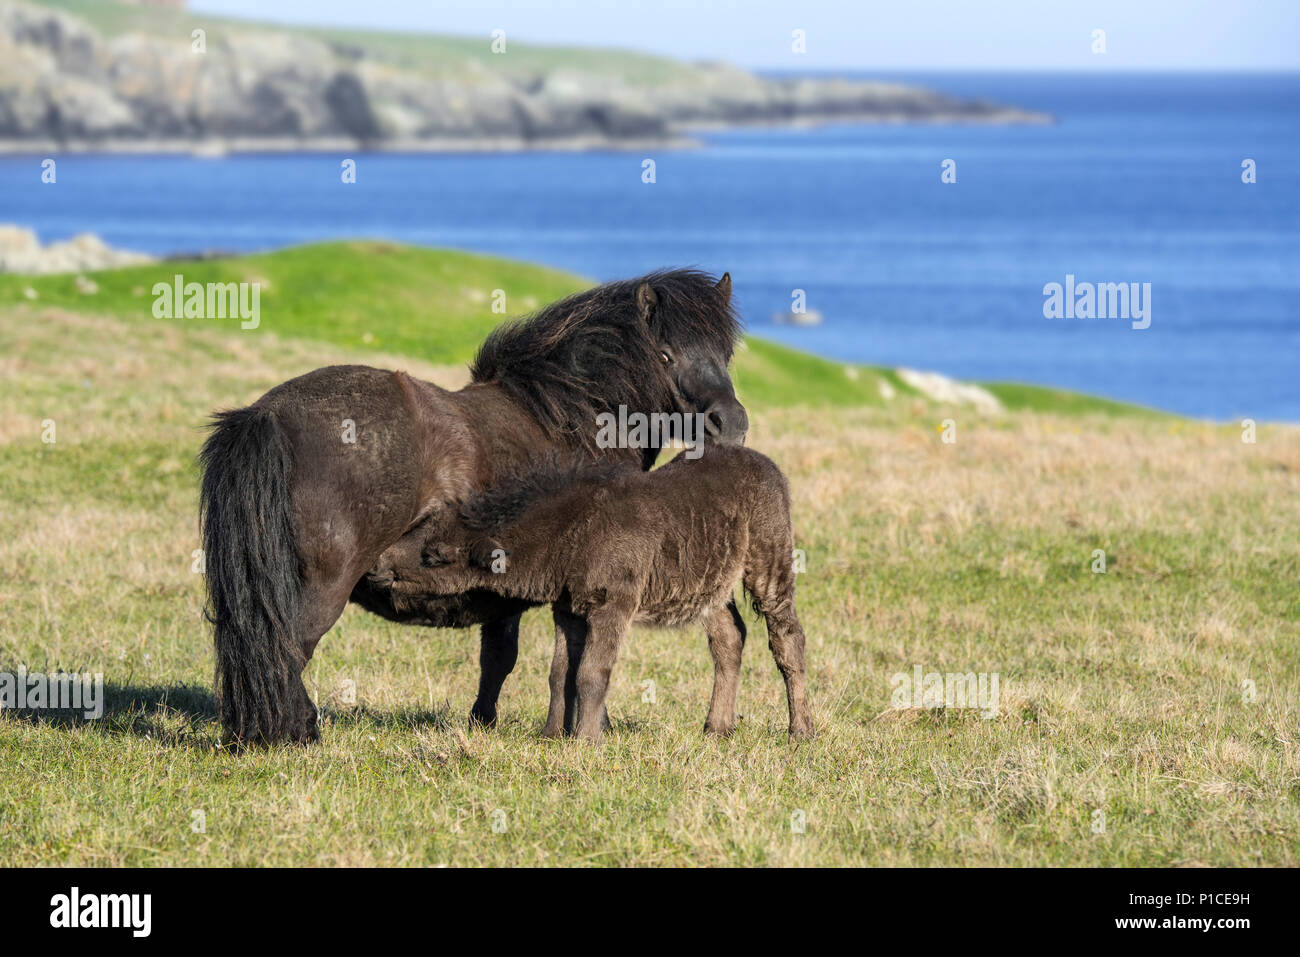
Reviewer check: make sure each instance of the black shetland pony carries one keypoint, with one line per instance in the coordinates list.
(305, 489)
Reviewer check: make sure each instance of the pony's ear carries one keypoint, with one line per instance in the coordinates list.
(646, 300)
(723, 286)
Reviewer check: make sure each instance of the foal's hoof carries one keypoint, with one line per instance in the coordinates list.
(487, 720)
(719, 730)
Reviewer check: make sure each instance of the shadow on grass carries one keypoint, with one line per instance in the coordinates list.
(187, 715)
(441, 718)
(175, 714)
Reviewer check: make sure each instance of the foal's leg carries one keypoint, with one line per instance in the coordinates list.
(786, 638)
(726, 630)
(570, 637)
(570, 640)
(498, 650)
(774, 594)
(605, 630)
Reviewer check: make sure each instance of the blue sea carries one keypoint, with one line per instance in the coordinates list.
(1139, 180)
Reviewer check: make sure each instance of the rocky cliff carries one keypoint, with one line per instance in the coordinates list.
(64, 84)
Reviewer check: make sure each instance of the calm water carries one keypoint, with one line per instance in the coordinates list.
(1138, 182)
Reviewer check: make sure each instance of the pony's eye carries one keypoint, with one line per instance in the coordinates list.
(667, 358)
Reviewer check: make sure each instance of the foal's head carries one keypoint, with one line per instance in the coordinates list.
(657, 344)
(514, 525)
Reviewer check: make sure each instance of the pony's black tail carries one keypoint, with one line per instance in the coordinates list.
(252, 572)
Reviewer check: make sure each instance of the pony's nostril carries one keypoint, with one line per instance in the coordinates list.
(726, 423)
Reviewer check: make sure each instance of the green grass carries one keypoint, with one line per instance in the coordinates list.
(432, 304)
(437, 305)
(1121, 692)
(1019, 397)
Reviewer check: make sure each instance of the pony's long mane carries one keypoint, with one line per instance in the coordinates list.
(508, 500)
(585, 354)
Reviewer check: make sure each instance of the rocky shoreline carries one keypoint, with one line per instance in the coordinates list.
(65, 87)
(21, 252)
(215, 148)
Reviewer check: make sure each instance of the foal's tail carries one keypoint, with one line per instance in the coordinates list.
(252, 571)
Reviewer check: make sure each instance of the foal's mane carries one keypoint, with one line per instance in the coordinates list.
(508, 500)
(585, 354)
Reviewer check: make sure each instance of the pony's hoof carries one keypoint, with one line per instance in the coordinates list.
(487, 720)
(719, 730)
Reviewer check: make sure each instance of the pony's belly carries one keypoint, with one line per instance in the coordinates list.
(474, 607)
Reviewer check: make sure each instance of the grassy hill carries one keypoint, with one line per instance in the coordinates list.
(427, 53)
(437, 305)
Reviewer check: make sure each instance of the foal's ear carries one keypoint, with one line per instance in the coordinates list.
(723, 286)
(440, 554)
(646, 300)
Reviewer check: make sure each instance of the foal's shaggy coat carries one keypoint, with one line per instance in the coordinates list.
(611, 546)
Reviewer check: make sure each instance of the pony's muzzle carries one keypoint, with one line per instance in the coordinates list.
(726, 422)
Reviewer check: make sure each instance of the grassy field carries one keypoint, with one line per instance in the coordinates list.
(1121, 692)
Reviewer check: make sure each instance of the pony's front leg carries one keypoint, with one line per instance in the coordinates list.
(498, 650)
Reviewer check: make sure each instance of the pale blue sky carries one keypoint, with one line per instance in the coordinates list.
(869, 34)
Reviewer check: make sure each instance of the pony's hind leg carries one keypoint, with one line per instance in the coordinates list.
(323, 602)
(726, 631)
